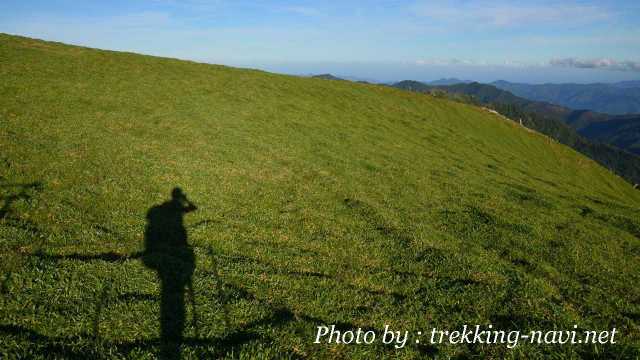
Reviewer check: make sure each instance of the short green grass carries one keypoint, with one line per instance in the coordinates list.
(320, 202)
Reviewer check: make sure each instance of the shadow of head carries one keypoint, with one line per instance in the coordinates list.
(165, 230)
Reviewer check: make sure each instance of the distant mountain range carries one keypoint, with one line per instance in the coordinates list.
(347, 78)
(448, 81)
(627, 84)
(617, 99)
(326, 77)
(622, 131)
(599, 136)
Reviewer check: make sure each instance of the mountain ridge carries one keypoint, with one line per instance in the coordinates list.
(616, 98)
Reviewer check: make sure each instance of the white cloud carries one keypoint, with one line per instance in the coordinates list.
(604, 63)
(466, 62)
(446, 62)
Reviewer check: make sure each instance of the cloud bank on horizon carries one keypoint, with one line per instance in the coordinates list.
(604, 63)
(598, 64)
(577, 39)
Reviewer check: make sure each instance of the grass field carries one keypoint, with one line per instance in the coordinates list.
(318, 202)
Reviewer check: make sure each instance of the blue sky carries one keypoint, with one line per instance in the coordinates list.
(533, 41)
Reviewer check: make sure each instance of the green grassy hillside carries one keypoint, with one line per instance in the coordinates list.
(319, 202)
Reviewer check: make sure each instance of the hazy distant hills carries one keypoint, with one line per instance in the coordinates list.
(439, 82)
(326, 77)
(627, 84)
(448, 81)
(619, 98)
(585, 131)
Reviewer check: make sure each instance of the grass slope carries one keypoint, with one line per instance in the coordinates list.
(320, 202)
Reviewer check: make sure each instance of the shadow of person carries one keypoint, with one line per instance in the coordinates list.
(169, 254)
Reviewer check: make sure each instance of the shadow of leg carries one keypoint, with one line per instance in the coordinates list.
(172, 315)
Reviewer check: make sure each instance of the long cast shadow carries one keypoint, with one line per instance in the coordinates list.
(64, 348)
(168, 252)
